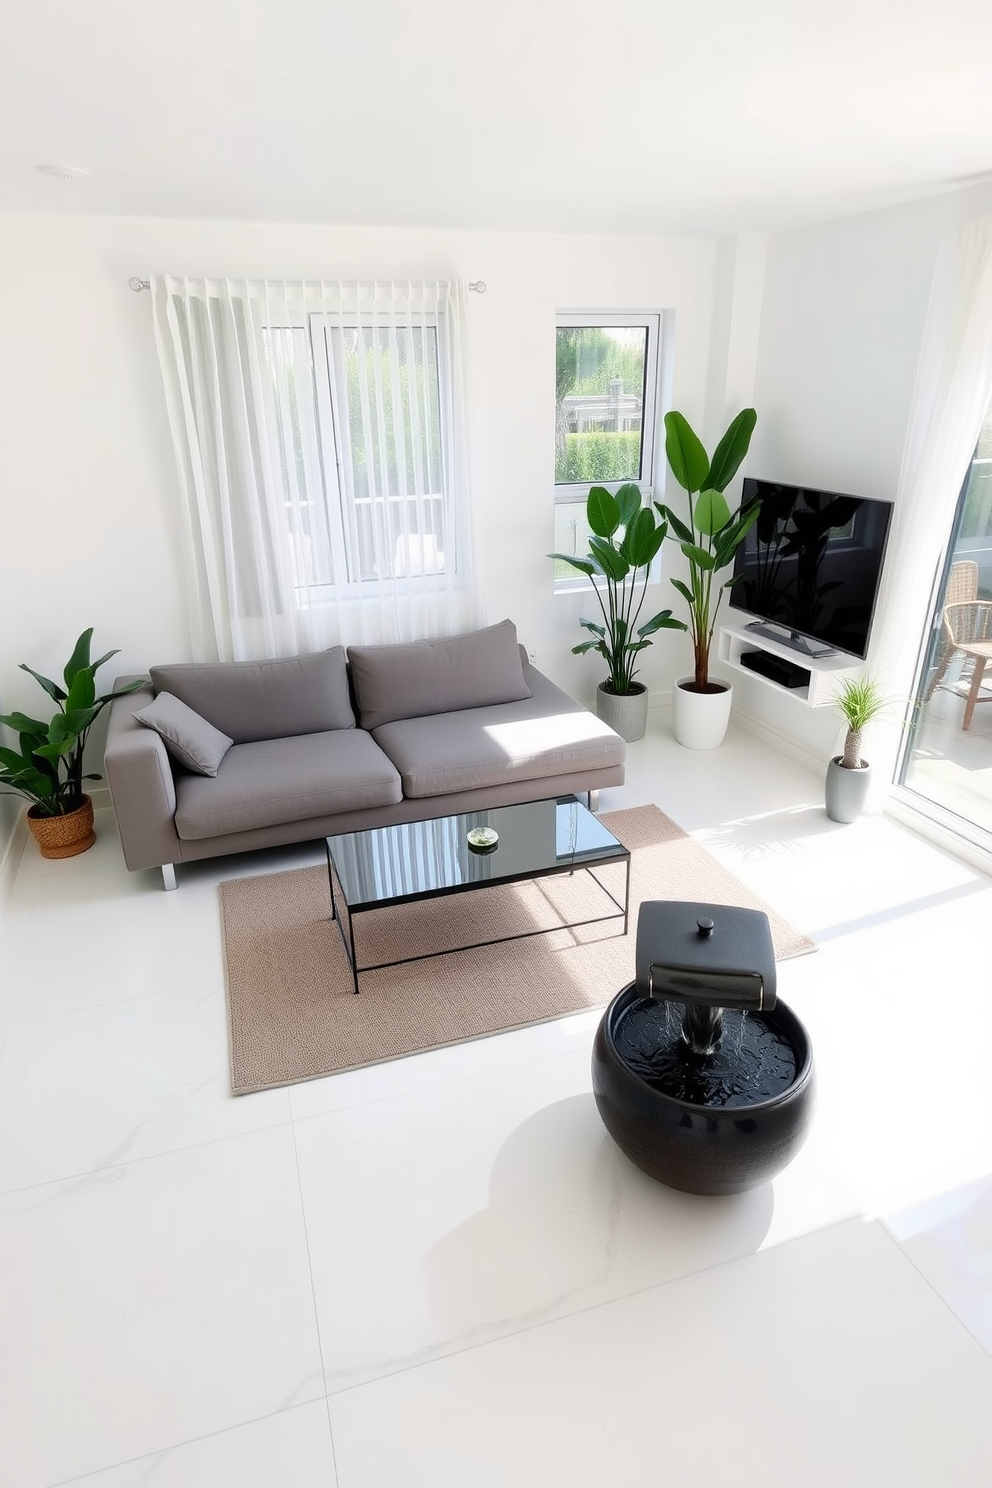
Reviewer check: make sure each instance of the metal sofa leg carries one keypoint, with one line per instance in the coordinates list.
(169, 876)
(594, 800)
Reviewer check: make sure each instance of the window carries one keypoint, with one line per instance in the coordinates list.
(358, 413)
(947, 764)
(319, 428)
(606, 395)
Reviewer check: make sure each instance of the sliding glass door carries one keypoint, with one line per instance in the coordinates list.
(947, 759)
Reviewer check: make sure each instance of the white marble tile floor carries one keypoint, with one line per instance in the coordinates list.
(441, 1271)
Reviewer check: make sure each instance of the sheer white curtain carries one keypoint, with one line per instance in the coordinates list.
(951, 398)
(319, 432)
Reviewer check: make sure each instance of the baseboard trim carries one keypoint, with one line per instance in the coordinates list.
(780, 741)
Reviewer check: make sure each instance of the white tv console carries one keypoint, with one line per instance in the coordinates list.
(823, 674)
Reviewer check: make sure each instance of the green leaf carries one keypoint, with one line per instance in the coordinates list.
(711, 513)
(71, 725)
(592, 625)
(80, 657)
(653, 545)
(82, 691)
(22, 724)
(582, 564)
(29, 745)
(55, 750)
(730, 540)
(685, 453)
(731, 450)
(628, 502)
(682, 532)
(602, 512)
(662, 621)
(52, 688)
(107, 697)
(96, 665)
(31, 783)
(642, 539)
(10, 760)
(683, 589)
(583, 647)
(612, 560)
(699, 556)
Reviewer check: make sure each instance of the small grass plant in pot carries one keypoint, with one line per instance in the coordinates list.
(849, 774)
(47, 767)
(709, 541)
(625, 538)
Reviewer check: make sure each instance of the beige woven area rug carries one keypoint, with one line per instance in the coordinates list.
(292, 1012)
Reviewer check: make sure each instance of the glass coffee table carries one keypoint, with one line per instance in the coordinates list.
(385, 866)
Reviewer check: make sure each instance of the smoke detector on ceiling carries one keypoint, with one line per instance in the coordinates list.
(63, 172)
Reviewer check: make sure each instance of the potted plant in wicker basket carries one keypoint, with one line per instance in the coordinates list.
(849, 775)
(47, 767)
(625, 539)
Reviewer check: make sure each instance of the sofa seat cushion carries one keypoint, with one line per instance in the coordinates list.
(479, 747)
(257, 700)
(416, 678)
(282, 780)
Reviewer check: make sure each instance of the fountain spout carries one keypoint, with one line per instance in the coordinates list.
(708, 957)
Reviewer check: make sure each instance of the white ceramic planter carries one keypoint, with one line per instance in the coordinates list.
(626, 714)
(701, 718)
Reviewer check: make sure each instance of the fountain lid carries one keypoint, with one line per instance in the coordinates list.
(713, 955)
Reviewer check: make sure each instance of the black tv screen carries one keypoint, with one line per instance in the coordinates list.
(810, 566)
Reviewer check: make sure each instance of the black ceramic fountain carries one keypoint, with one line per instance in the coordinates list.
(702, 1077)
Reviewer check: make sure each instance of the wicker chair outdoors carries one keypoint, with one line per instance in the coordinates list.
(969, 630)
(962, 587)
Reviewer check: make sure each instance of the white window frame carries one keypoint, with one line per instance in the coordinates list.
(337, 513)
(652, 320)
(656, 379)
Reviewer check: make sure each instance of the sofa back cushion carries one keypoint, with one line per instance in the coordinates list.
(253, 700)
(417, 678)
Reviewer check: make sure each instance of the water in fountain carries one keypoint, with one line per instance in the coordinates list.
(752, 1061)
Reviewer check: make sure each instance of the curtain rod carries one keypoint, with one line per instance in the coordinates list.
(478, 286)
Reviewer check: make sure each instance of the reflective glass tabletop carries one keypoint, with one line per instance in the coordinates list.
(387, 865)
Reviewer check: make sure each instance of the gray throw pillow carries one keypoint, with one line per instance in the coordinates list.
(416, 678)
(190, 739)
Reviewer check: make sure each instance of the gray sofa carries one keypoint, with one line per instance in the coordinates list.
(215, 758)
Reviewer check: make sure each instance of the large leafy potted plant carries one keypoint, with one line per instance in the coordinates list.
(47, 768)
(849, 775)
(709, 540)
(625, 538)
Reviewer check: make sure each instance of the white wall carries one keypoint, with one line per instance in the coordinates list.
(87, 484)
(820, 328)
(843, 313)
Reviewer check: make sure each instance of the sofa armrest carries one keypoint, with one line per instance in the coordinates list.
(142, 787)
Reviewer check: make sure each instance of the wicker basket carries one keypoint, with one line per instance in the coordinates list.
(63, 836)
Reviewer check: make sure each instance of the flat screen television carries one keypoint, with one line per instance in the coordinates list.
(809, 569)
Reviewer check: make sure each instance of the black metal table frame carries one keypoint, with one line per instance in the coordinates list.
(597, 861)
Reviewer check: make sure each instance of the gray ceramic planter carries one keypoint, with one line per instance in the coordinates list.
(626, 714)
(846, 790)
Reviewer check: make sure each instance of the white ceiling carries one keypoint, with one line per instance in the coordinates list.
(615, 116)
